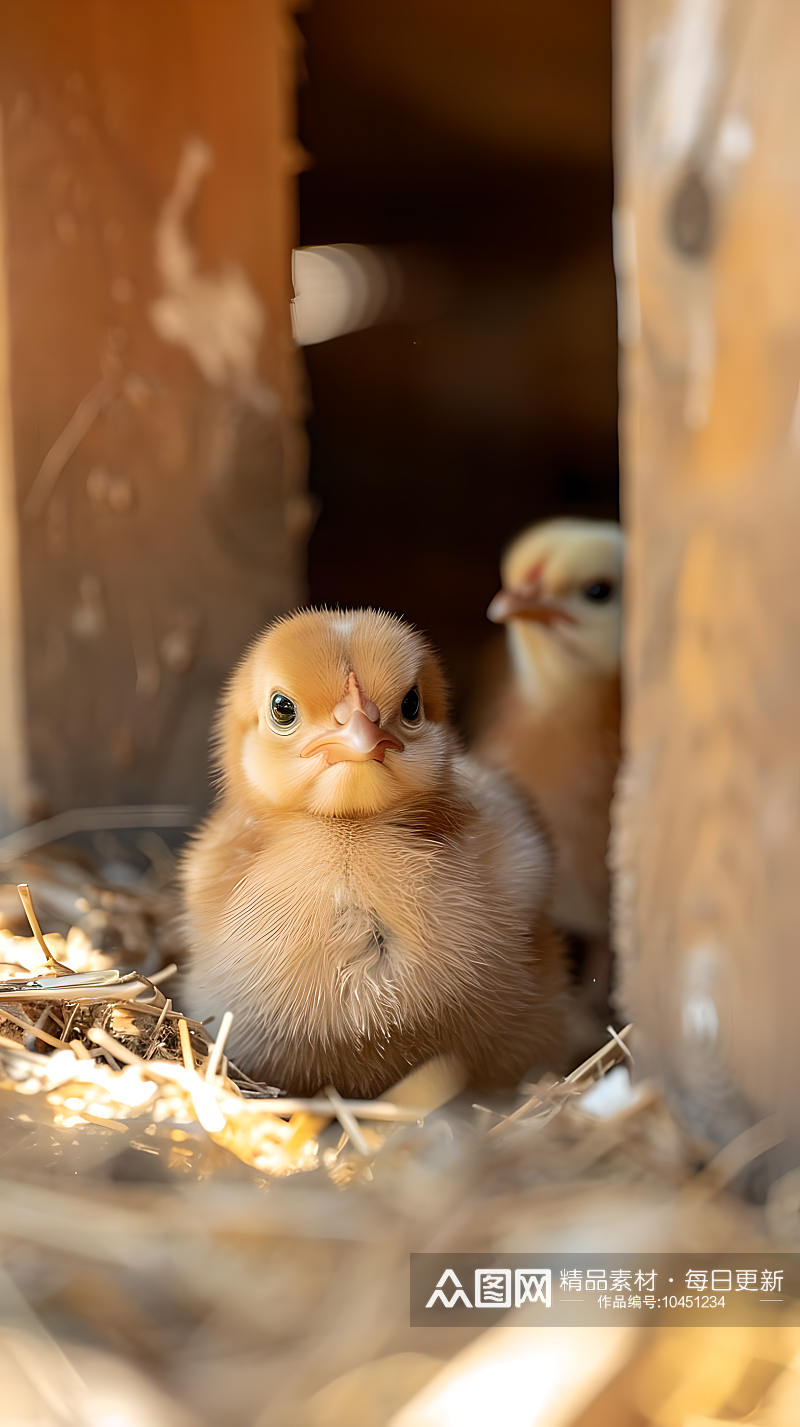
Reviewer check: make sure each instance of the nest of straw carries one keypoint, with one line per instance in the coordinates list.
(182, 1245)
(92, 1043)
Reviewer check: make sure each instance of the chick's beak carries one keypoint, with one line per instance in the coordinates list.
(357, 736)
(527, 602)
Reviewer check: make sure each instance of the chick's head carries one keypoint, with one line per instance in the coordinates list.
(336, 713)
(562, 593)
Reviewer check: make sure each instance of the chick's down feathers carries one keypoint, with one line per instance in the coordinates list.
(556, 724)
(364, 897)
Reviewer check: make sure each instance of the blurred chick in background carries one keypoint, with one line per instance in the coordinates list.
(363, 897)
(556, 725)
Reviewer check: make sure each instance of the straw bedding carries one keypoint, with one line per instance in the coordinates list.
(180, 1245)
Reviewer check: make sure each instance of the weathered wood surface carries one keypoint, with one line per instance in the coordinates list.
(154, 388)
(707, 818)
(13, 746)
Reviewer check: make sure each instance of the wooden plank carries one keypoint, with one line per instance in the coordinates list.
(707, 818)
(155, 390)
(13, 748)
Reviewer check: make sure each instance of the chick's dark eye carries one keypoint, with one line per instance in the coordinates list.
(411, 705)
(283, 712)
(598, 591)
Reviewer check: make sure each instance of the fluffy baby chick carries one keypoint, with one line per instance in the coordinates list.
(556, 726)
(363, 897)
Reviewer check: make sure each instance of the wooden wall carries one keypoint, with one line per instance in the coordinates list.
(154, 393)
(707, 843)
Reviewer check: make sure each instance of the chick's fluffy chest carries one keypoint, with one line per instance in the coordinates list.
(327, 919)
(343, 936)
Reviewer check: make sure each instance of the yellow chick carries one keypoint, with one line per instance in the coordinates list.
(556, 726)
(363, 897)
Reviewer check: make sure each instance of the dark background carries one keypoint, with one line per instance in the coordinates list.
(474, 140)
